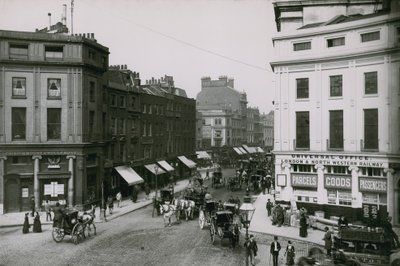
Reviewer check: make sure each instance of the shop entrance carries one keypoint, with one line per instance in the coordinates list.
(12, 195)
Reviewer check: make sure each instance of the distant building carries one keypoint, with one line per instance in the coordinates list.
(224, 113)
(254, 127)
(267, 121)
(336, 140)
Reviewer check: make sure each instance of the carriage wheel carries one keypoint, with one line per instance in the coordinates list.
(57, 234)
(212, 233)
(202, 219)
(89, 229)
(77, 233)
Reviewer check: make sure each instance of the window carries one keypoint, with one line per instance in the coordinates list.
(133, 101)
(113, 125)
(92, 91)
(338, 170)
(373, 172)
(339, 197)
(54, 88)
(218, 121)
(398, 34)
(53, 123)
(144, 129)
(336, 86)
(113, 100)
(335, 42)
(18, 87)
(370, 36)
(91, 123)
(336, 129)
(149, 129)
(121, 101)
(301, 46)
(218, 133)
(302, 130)
(370, 128)
(18, 51)
(121, 129)
(133, 126)
(122, 151)
(304, 168)
(92, 54)
(53, 52)
(18, 128)
(144, 108)
(302, 88)
(371, 82)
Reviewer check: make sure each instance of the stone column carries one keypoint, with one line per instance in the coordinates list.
(390, 191)
(2, 159)
(322, 194)
(286, 192)
(356, 196)
(70, 159)
(36, 192)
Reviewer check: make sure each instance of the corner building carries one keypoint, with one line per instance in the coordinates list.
(50, 108)
(337, 113)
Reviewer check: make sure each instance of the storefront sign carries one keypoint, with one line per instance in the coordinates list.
(54, 189)
(340, 182)
(25, 192)
(336, 160)
(304, 180)
(372, 185)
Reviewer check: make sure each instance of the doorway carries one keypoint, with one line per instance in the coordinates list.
(12, 196)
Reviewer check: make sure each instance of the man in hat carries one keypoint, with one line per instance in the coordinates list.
(251, 249)
(274, 250)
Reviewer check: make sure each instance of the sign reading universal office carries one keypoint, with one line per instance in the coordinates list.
(335, 184)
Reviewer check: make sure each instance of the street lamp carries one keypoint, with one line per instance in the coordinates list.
(247, 210)
(156, 172)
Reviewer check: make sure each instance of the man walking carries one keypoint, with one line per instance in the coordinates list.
(119, 199)
(47, 208)
(328, 241)
(274, 250)
(251, 249)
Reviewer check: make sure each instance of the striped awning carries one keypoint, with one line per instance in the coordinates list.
(155, 169)
(203, 155)
(130, 176)
(166, 166)
(187, 162)
(236, 149)
(242, 150)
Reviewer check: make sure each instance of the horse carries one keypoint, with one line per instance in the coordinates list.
(167, 210)
(88, 221)
(188, 207)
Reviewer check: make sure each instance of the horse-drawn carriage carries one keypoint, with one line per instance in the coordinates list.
(255, 183)
(234, 183)
(223, 226)
(206, 213)
(72, 224)
(217, 180)
(166, 197)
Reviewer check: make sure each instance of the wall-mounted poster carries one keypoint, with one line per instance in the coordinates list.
(281, 180)
(25, 192)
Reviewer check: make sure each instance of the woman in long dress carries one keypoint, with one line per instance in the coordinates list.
(37, 225)
(25, 228)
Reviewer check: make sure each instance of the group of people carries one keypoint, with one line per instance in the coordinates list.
(275, 247)
(37, 225)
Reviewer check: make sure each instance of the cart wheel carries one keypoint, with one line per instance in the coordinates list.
(90, 229)
(396, 262)
(77, 233)
(57, 234)
(201, 219)
(212, 233)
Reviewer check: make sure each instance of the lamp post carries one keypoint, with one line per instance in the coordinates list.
(247, 210)
(156, 172)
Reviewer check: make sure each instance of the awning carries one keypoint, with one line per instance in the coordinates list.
(258, 149)
(237, 150)
(166, 166)
(130, 176)
(155, 169)
(249, 149)
(242, 150)
(203, 155)
(187, 162)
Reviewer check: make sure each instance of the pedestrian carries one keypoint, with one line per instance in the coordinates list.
(33, 206)
(269, 207)
(290, 253)
(328, 241)
(58, 220)
(303, 225)
(263, 185)
(119, 199)
(280, 216)
(110, 203)
(25, 227)
(274, 250)
(47, 209)
(134, 194)
(251, 249)
(268, 183)
(37, 225)
(342, 222)
(147, 190)
(207, 175)
(390, 234)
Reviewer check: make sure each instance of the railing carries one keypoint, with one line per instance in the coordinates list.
(329, 146)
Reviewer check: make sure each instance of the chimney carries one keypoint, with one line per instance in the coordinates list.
(126, 66)
(49, 14)
(231, 83)
(92, 36)
(64, 15)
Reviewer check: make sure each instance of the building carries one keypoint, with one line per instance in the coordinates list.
(199, 130)
(267, 121)
(336, 136)
(224, 113)
(50, 106)
(254, 127)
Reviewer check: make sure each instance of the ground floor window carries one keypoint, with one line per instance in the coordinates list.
(379, 199)
(339, 197)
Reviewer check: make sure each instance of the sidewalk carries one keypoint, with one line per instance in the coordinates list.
(261, 223)
(127, 206)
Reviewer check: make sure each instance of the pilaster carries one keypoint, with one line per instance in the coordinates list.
(70, 159)
(390, 191)
(322, 193)
(356, 196)
(2, 159)
(36, 192)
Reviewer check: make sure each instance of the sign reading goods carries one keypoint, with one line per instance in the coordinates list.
(372, 184)
(304, 180)
(342, 182)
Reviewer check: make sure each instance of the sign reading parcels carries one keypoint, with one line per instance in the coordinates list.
(372, 185)
(304, 180)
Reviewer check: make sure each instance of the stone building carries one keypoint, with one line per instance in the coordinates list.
(336, 139)
(267, 121)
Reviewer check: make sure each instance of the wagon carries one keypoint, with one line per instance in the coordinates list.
(217, 180)
(206, 213)
(72, 225)
(223, 226)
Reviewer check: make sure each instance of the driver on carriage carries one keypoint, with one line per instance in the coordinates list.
(58, 220)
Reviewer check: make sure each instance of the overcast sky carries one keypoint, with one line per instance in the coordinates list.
(187, 39)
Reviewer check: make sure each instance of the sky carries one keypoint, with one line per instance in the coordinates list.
(186, 39)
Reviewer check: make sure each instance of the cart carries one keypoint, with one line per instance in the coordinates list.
(72, 225)
(222, 225)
